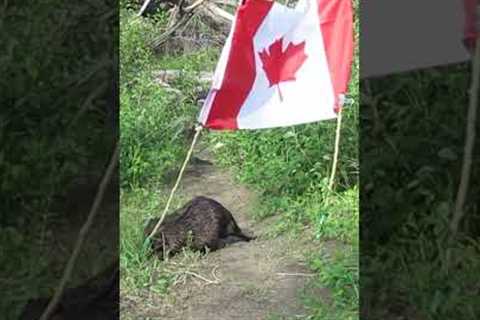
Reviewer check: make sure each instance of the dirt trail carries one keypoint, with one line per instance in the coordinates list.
(257, 280)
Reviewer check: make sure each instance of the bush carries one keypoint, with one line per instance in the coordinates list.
(154, 123)
(42, 146)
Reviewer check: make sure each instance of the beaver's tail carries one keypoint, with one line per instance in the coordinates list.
(237, 232)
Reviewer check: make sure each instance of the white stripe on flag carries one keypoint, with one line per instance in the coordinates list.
(307, 99)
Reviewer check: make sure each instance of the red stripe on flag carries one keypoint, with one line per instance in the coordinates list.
(336, 23)
(470, 31)
(240, 70)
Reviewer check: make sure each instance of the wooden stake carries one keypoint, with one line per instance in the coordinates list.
(336, 151)
(189, 154)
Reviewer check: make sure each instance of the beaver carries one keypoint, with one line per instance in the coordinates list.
(201, 224)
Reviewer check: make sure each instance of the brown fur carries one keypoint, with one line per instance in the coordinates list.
(204, 220)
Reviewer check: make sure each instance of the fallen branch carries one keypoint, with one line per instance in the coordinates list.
(216, 281)
(182, 22)
(174, 14)
(183, 12)
(214, 274)
(219, 12)
(194, 5)
(168, 76)
(230, 3)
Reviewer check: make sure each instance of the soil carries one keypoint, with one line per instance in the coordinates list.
(260, 279)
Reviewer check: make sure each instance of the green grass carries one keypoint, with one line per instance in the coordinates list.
(42, 147)
(411, 158)
(287, 167)
(138, 269)
(155, 128)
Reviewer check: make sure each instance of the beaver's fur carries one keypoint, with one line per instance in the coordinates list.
(203, 221)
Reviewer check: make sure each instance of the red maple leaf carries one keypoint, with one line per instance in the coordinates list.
(282, 66)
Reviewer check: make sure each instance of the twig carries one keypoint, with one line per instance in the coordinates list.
(468, 150)
(194, 5)
(296, 274)
(180, 17)
(189, 154)
(163, 248)
(231, 3)
(81, 236)
(217, 11)
(214, 274)
(173, 16)
(202, 278)
(336, 151)
(170, 31)
(164, 77)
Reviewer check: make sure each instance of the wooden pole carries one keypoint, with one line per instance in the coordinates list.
(167, 206)
(336, 151)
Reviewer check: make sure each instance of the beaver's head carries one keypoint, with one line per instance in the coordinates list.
(160, 242)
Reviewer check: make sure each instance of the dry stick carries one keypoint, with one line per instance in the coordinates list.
(468, 150)
(182, 21)
(299, 274)
(337, 147)
(189, 154)
(194, 5)
(220, 12)
(187, 14)
(216, 281)
(214, 274)
(81, 236)
(173, 16)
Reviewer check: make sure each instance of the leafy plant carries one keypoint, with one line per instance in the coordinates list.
(410, 172)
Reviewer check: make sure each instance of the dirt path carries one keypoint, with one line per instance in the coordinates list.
(261, 279)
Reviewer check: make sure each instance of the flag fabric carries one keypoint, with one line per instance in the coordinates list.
(281, 66)
(471, 29)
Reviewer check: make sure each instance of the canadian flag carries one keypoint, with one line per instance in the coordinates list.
(472, 28)
(281, 66)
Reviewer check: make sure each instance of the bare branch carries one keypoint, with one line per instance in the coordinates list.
(81, 236)
(469, 142)
(219, 12)
(467, 156)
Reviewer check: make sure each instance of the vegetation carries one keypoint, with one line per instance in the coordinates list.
(53, 125)
(288, 167)
(411, 164)
(154, 137)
